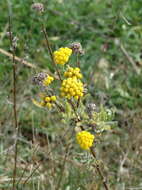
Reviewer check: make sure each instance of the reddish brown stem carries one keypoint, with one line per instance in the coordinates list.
(14, 103)
(99, 170)
(50, 52)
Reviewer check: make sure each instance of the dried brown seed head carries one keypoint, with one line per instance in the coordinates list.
(39, 7)
(77, 48)
(37, 79)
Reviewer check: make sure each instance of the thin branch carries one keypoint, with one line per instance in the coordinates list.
(99, 169)
(14, 103)
(27, 179)
(63, 167)
(35, 169)
(26, 63)
(73, 108)
(26, 166)
(2, 51)
(129, 58)
(77, 60)
(50, 52)
(61, 109)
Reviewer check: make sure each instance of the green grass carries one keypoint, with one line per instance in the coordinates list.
(113, 82)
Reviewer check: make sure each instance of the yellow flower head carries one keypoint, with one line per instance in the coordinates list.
(46, 101)
(71, 87)
(49, 100)
(73, 72)
(47, 80)
(62, 55)
(85, 139)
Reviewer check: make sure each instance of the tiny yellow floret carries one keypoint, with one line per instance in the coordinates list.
(47, 99)
(62, 55)
(50, 99)
(85, 139)
(49, 105)
(53, 98)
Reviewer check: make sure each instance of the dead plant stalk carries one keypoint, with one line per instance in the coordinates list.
(14, 103)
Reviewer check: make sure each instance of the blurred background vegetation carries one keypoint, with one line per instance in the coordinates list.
(110, 32)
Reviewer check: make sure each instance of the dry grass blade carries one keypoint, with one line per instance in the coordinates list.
(130, 59)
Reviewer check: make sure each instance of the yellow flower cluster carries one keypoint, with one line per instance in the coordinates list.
(47, 80)
(48, 100)
(73, 72)
(85, 139)
(62, 55)
(71, 87)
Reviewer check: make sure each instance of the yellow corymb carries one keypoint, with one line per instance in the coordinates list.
(73, 72)
(62, 55)
(72, 87)
(49, 100)
(85, 139)
(46, 101)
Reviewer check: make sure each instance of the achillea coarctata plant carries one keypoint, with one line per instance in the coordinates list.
(70, 89)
